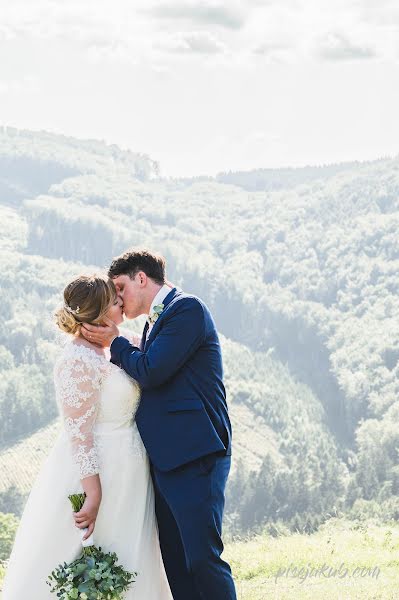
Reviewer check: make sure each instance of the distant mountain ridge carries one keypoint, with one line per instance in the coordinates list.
(258, 180)
(301, 277)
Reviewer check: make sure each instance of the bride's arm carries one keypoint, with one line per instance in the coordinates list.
(79, 387)
(87, 515)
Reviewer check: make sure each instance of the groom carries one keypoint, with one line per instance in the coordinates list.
(182, 418)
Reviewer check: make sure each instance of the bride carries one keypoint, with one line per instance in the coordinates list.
(99, 452)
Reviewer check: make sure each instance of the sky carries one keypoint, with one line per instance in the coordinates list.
(204, 86)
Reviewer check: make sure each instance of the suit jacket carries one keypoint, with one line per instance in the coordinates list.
(183, 413)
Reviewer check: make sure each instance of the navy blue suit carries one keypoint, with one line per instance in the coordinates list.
(184, 423)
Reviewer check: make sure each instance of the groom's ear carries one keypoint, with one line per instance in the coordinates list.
(141, 278)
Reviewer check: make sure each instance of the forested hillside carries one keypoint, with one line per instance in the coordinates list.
(300, 269)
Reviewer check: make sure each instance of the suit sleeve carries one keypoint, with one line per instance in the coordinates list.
(181, 334)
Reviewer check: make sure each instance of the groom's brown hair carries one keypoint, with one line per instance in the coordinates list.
(134, 260)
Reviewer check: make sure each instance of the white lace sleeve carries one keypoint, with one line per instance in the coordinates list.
(78, 382)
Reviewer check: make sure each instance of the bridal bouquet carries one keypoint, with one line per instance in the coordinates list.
(94, 575)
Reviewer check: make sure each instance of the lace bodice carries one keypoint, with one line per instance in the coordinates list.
(93, 395)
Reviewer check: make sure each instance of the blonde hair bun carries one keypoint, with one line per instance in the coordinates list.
(66, 321)
(86, 300)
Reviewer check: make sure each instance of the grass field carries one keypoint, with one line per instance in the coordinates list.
(260, 564)
(264, 567)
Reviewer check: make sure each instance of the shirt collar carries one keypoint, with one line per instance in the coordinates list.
(160, 297)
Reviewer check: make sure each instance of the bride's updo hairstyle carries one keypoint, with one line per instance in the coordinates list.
(86, 300)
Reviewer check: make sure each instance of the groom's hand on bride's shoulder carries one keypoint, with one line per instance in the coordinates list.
(101, 335)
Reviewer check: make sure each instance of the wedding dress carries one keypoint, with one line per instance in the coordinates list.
(97, 401)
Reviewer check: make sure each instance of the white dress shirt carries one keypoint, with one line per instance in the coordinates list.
(159, 298)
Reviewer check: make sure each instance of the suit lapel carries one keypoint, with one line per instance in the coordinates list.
(173, 292)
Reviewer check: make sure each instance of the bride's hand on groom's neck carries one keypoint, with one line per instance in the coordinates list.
(100, 335)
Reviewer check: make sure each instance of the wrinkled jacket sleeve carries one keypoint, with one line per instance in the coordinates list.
(181, 334)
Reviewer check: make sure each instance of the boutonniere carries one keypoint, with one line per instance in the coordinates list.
(153, 317)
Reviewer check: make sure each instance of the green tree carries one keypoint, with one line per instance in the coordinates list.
(8, 529)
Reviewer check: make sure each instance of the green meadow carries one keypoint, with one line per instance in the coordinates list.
(360, 562)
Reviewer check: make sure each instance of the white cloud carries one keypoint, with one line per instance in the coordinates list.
(197, 42)
(378, 13)
(90, 25)
(108, 52)
(292, 31)
(169, 78)
(231, 15)
(26, 85)
(275, 52)
(336, 46)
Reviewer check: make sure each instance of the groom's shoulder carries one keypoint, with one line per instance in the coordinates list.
(185, 298)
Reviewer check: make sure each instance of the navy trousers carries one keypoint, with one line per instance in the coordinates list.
(189, 503)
